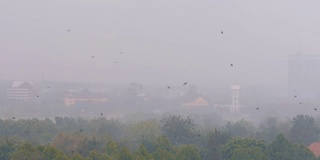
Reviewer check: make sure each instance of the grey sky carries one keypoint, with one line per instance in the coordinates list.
(163, 41)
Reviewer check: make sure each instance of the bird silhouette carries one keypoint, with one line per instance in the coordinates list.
(168, 87)
(221, 32)
(92, 56)
(68, 30)
(257, 108)
(13, 117)
(295, 96)
(231, 65)
(81, 130)
(315, 109)
(185, 83)
(300, 102)
(37, 95)
(101, 114)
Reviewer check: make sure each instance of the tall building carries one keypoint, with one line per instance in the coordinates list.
(235, 107)
(304, 76)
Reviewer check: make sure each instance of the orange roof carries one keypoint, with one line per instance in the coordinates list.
(198, 102)
(315, 148)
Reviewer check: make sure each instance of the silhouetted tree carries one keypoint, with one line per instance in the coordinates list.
(304, 130)
(213, 143)
(188, 152)
(281, 148)
(243, 149)
(179, 130)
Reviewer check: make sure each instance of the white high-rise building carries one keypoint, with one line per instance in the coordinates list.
(235, 107)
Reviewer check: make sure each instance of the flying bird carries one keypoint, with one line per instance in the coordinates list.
(121, 52)
(300, 102)
(295, 96)
(37, 95)
(231, 65)
(101, 114)
(185, 83)
(257, 108)
(168, 87)
(92, 56)
(222, 32)
(81, 130)
(315, 109)
(13, 117)
(68, 30)
(115, 62)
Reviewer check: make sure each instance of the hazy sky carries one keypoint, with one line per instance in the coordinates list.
(163, 41)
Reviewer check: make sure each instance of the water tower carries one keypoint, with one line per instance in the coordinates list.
(235, 107)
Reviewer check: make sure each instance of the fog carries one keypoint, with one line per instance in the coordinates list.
(131, 51)
(149, 79)
(161, 42)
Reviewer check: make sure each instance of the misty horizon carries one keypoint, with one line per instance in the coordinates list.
(153, 43)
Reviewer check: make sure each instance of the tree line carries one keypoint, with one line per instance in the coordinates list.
(171, 138)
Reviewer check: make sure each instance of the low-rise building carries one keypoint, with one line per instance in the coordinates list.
(75, 98)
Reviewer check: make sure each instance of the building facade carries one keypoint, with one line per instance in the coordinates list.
(21, 91)
(235, 106)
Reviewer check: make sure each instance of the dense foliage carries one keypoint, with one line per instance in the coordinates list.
(172, 138)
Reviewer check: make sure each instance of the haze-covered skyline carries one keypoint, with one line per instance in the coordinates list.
(162, 41)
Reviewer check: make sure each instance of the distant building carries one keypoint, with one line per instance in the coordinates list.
(199, 102)
(304, 75)
(72, 101)
(235, 107)
(21, 91)
(75, 98)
